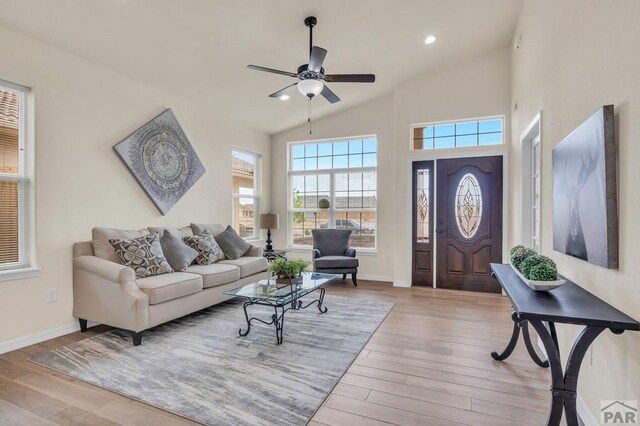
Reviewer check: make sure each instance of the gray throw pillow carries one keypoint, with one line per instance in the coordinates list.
(208, 250)
(144, 255)
(178, 254)
(233, 246)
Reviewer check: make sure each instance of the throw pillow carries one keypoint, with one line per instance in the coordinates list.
(143, 254)
(232, 244)
(101, 236)
(178, 254)
(208, 250)
(199, 228)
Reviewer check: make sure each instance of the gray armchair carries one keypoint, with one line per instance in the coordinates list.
(332, 254)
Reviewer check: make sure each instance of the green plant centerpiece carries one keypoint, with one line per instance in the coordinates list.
(288, 271)
(539, 272)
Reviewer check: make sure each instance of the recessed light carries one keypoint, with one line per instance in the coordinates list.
(284, 97)
(430, 39)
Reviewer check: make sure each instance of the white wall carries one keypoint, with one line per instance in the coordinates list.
(476, 87)
(81, 111)
(575, 56)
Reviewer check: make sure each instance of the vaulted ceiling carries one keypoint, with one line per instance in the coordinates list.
(200, 48)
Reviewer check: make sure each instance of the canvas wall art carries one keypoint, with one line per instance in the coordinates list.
(162, 160)
(585, 213)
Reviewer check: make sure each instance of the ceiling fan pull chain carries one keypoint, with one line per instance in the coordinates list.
(309, 116)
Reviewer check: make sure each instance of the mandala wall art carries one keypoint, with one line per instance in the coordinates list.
(161, 158)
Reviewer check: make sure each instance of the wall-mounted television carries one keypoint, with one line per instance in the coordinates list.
(585, 206)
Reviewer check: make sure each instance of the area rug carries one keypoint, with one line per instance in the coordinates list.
(198, 367)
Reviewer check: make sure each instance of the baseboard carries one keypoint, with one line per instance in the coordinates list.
(584, 414)
(32, 339)
(383, 278)
(401, 283)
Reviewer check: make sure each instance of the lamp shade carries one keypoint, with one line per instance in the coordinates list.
(269, 221)
(310, 88)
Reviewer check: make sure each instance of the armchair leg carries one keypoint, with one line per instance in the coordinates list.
(137, 338)
(344, 277)
(353, 278)
(83, 324)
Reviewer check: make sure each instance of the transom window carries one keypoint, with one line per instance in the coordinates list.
(244, 172)
(458, 134)
(333, 184)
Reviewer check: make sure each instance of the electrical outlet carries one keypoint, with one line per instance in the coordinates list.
(52, 295)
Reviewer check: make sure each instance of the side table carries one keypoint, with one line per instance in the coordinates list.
(272, 255)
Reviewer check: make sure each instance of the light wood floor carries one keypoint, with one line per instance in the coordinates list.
(427, 364)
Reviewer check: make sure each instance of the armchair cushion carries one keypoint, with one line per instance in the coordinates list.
(335, 262)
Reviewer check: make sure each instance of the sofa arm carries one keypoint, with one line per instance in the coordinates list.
(350, 252)
(106, 292)
(111, 271)
(315, 254)
(255, 252)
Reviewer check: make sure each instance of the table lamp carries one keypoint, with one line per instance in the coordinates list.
(269, 221)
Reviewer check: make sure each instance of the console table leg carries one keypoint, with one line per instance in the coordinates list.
(564, 384)
(512, 343)
(527, 342)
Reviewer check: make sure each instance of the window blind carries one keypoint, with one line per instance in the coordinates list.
(9, 185)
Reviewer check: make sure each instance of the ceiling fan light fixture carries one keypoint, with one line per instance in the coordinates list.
(310, 87)
(430, 39)
(284, 97)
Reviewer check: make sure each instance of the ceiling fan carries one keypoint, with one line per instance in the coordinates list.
(312, 76)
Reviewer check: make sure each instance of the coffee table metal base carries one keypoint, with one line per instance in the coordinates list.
(279, 309)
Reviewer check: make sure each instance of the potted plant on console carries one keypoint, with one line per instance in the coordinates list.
(537, 271)
(288, 271)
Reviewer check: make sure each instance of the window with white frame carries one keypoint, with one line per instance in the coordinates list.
(14, 182)
(459, 134)
(333, 184)
(244, 171)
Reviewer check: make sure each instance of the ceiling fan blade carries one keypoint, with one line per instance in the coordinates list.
(271, 70)
(329, 95)
(350, 78)
(283, 91)
(316, 58)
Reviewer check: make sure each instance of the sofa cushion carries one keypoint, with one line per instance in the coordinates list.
(248, 265)
(178, 253)
(216, 274)
(232, 244)
(215, 228)
(143, 254)
(335, 262)
(162, 288)
(103, 248)
(208, 249)
(178, 232)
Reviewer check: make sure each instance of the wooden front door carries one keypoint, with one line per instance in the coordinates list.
(422, 230)
(469, 222)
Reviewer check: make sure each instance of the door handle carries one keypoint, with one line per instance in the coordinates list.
(439, 229)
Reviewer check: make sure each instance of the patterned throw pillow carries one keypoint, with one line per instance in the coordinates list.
(208, 250)
(144, 255)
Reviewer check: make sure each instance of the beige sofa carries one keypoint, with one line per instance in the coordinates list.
(109, 293)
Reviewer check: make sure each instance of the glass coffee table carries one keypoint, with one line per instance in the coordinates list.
(282, 297)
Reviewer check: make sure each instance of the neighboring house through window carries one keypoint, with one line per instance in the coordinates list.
(244, 171)
(333, 184)
(14, 178)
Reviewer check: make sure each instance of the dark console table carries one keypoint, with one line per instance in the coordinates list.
(569, 304)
